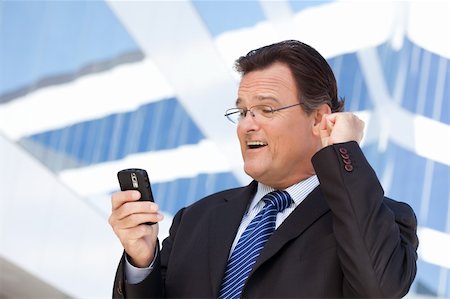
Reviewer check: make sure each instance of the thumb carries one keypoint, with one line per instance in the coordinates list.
(324, 131)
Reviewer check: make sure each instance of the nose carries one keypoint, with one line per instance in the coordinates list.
(252, 114)
(248, 123)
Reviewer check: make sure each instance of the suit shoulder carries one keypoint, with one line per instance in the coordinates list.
(217, 198)
(401, 210)
(204, 206)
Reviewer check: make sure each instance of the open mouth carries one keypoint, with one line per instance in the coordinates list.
(255, 144)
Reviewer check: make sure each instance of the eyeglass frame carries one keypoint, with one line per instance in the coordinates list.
(244, 111)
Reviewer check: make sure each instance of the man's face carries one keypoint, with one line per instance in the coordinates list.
(277, 151)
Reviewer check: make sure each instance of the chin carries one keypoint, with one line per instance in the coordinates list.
(253, 172)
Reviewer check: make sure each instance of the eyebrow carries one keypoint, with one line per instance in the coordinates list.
(261, 98)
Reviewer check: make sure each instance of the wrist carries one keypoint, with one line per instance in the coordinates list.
(139, 263)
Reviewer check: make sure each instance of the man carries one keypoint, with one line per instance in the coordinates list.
(337, 238)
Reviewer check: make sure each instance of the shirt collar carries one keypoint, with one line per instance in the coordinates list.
(298, 192)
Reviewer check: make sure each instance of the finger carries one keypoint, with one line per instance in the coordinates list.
(323, 128)
(323, 131)
(138, 219)
(323, 122)
(121, 197)
(118, 219)
(139, 207)
(333, 117)
(361, 123)
(136, 232)
(330, 125)
(324, 137)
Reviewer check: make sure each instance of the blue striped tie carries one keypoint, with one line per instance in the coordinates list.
(251, 243)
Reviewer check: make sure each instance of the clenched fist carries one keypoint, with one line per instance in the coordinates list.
(341, 127)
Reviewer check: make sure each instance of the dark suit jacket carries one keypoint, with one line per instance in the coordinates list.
(344, 240)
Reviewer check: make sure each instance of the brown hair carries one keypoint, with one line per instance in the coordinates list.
(315, 80)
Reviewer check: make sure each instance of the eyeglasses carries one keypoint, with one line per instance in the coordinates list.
(260, 112)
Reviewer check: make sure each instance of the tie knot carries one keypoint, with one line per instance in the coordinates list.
(279, 199)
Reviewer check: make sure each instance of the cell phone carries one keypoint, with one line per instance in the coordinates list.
(136, 179)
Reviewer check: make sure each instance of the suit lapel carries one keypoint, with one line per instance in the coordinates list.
(309, 210)
(224, 224)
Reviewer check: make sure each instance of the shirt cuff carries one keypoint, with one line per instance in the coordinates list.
(135, 275)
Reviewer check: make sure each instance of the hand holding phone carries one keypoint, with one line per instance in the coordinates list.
(136, 179)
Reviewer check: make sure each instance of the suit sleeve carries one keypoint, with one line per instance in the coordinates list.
(376, 237)
(153, 286)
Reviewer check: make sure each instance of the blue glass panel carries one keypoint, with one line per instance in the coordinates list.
(376, 159)
(392, 62)
(351, 83)
(223, 16)
(298, 5)
(412, 82)
(118, 135)
(426, 278)
(447, 287)
(439, 198)
(430, 92)
(445, 111)
(423, 69)
(32, 38)
(408, 176)
(174, 195)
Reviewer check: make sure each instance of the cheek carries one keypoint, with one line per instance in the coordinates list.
(295, 142)
(280, 146)
(285, 150)
(241, 136)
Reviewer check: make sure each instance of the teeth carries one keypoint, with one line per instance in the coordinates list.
(254, 144)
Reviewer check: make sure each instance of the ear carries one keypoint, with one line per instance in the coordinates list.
(318, 114)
